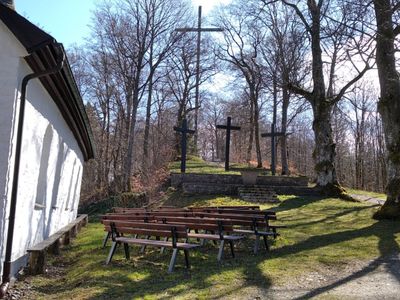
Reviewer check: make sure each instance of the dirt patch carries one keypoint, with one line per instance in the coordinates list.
(375, 279)
(366, 198)
(23, 289)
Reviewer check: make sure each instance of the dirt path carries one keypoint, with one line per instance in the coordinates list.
(368, 199)
(376, 279)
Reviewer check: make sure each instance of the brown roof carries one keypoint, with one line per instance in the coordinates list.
(61, 86)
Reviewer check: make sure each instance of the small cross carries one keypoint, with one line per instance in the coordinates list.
(184, 131)
(228, 128)
(272, 135)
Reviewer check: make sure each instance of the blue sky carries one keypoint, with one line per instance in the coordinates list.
(67, 20)
(62, 19)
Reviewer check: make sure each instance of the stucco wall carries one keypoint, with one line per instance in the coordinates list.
(10, 54)
(51, 161)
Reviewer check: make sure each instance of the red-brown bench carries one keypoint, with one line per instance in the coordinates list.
(174, 232)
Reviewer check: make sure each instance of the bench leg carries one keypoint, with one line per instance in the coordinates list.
(126, 248)
(266, 243)
(37, 262)
(173, 260)
(256, 243)
(163, 248)
(105, 240)
(221, 250)
(56, 247)
(112, 251)
(144, 246)
(187, 258)
(231, 245)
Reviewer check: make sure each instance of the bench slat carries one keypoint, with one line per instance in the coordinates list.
(156, 243)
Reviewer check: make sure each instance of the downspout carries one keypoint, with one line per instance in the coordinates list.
(6, 279)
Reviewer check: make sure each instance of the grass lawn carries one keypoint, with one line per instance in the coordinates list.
(197, 165)
(321, 233)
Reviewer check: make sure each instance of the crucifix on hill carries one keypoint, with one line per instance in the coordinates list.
(273, 134)
(228, 128)
(199, 30)
(184, 130)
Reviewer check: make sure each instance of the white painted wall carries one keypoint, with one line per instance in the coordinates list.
(51, 161)
(10, 56)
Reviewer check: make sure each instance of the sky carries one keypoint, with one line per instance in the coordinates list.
(70, 25)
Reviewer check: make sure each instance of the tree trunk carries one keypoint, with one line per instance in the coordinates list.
(146, 159)
(324, 152)
(257, 130)
(131, 141)
(389, 105)
(250, 145)
(285, 106)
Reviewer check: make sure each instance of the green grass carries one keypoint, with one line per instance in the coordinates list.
(320, 233)
(197, 165)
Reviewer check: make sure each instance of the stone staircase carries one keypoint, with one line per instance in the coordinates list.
(256, 193)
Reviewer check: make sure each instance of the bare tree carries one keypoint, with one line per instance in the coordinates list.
(241, 50)
(389, 103)
(332, 31)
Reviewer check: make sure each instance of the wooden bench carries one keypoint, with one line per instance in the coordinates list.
(250, 224)
(37, 258)
(244, 216)
(123, 217)
(174, 232)
(214, 230)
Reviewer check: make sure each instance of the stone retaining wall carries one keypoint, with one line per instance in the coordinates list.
(178, 179)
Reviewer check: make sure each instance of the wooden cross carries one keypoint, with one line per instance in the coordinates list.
(199, 30)
(272, 135)
(184, 131)
(228, 128)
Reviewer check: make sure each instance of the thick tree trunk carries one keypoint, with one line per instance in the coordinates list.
(324, 152)
(389, 105)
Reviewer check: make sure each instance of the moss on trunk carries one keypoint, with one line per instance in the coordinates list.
(389, 210)
(335, 190)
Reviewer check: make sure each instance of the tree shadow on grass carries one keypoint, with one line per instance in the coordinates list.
(296, 202)
(328, 218)
(146, 275)
(387, 246)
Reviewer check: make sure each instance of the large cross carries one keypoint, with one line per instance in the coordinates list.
(184, 130)
(273, 134)
(228, 128)
(199, 30)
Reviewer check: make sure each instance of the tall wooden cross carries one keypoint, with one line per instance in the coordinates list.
(273, 134)
(228, 128)
(199, 30)
(184, 130)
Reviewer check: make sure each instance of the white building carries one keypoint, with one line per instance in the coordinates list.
(56, 137)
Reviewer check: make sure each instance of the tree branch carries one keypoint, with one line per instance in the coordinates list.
(396, 30)
(350, 83)
(300, 91)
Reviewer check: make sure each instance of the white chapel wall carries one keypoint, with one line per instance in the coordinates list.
(10, 57)
(51, 160)
(50, 171)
